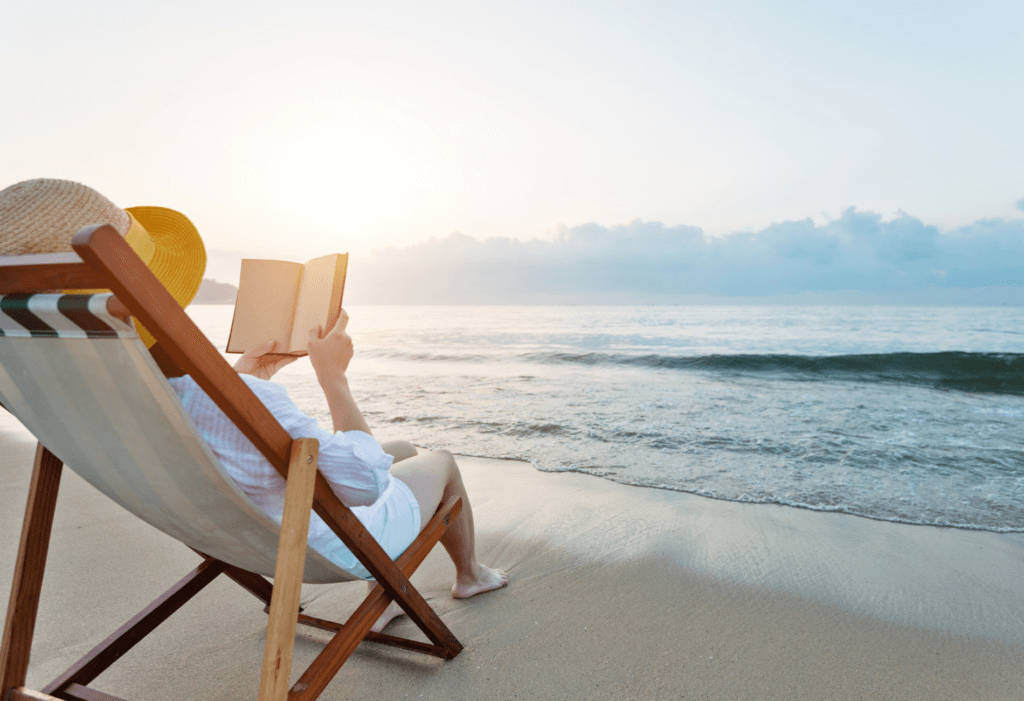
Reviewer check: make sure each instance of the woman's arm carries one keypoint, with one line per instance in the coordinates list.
(330, 355)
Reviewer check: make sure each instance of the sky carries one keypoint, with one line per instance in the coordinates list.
(855, 258)
(603, 131)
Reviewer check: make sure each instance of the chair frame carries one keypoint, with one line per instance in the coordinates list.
(103, 259)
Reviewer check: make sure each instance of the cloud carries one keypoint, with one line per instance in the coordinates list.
(1020, 204)
(642, 262)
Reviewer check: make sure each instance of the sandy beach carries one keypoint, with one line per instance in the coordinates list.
(617, 592)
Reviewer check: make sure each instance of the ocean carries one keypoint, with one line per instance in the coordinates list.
(908, 414)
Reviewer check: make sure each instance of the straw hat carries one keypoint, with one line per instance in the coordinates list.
(41, 216)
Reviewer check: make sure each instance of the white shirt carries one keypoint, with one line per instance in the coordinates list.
(352, 461)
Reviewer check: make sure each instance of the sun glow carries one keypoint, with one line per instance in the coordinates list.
(347, 168)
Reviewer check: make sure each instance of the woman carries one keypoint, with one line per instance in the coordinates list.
(394, 493)
(393, 489)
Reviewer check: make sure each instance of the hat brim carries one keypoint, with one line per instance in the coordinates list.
(179, 259)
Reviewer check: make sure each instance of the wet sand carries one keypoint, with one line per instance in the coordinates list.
(616, 592)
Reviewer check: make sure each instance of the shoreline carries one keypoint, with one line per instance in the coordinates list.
(801, 507)
(969, 582)
(615, 593)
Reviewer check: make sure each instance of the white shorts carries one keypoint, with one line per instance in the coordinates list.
(393, 521)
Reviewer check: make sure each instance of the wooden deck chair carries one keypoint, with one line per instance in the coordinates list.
(98, 401)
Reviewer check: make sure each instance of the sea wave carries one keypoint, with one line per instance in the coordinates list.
(971, 372)
(1001, 373)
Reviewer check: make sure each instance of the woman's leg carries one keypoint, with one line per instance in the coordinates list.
(434, 478)
(400, 450)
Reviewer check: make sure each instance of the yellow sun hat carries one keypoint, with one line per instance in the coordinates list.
(42, 215)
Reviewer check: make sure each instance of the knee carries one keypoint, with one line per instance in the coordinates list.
(405, 449)
(400, 450)
(449, 462)
(446, 456)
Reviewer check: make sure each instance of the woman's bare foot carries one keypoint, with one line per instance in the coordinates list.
(488, 580)
(391, 612)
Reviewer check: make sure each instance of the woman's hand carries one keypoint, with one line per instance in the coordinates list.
(258, 362)
(331, 353)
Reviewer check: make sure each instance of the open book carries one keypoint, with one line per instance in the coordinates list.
(281, 301)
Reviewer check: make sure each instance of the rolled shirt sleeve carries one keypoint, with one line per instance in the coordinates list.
(352, 462)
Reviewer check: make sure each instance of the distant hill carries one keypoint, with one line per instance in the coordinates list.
(213, 292)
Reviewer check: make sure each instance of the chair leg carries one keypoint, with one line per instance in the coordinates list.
(284, 607)
(407, 563)
(250, 581)
(320, 673)
(291, 556)
(20, 693)
(28, 570)
(121, 641)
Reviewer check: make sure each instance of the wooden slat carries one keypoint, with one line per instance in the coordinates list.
(381, 638)
(253, 583)
(419, 549)
(352, 533)
(77, 692)
(291, 556)
(393, 576)
(28, 570)
(163, 361)
(315, 679)
(124, 638)
(319, 674)
(20, 693)
(415, 554)
(46, 272)
(138, 288)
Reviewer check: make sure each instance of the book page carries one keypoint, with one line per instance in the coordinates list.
(319, 299)
(266, 301)
(334, 309)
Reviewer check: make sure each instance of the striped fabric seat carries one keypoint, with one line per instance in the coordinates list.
(63, 316)
(85, 385)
